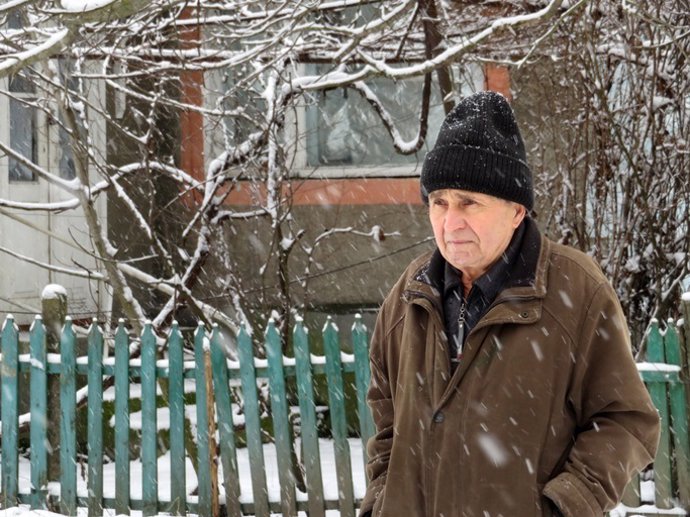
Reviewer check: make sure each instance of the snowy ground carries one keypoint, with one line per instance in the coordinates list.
(25, 512)
(621, 511)
(327, 468)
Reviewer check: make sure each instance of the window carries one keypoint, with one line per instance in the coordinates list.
(337, 133)
(343, 131)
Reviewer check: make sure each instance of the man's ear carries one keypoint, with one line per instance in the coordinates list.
(520, 213)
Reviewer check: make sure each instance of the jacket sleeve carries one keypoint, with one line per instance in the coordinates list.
(380, 400)
(618, 426)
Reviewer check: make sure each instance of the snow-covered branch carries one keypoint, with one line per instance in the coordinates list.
(377, 66)
(58, 206)
(169, 288)
(71, 186)
(50, 267)
(10, 64)
(401, 145)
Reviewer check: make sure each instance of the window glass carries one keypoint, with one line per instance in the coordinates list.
(22, 130)
(14, 20)
(344, 130)
(66, 168)
(248, 104)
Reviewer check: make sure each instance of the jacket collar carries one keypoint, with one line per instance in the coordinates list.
(527, 275)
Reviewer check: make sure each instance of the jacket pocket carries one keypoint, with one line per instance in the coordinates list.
(543, 502)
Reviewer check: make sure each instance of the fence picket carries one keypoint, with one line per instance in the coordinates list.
(228, 454)
(122, 419)
(39, 409)
(202, 425)
(336, 399)
(149, 422)
(657, 391)
(310, 439)
(253, 424)
(665, 388)
(68, 415)
(10, 413)
(178, 487)
(360, 342)
(679, 417)
(279, 413)
(95, 421)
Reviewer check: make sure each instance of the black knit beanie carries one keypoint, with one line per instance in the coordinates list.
(479, 149)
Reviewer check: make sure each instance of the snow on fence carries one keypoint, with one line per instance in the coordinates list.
(663, 375)
(147, 370)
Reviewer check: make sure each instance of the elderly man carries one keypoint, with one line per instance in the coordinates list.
(503, 382)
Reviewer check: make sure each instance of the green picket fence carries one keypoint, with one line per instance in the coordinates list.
(662, 374)
(147, 370)
(667, 383)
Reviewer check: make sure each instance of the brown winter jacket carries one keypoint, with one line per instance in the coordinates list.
(546, 403)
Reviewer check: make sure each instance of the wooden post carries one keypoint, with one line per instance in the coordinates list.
(68, 431)
(360, 341)
(10, 410)
(39, 422)
(94, 409)
(281, 424)
(204, 432)
(54, 312)
(336, 403)
(679, 418)
(149, 422)
(228, 452)
(122, 478)
(685, 345)
(657, 390)
(253, 424)
(178, 483)
(212, 449)
(310, 437)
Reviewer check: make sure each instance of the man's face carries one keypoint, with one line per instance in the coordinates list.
(472, 230)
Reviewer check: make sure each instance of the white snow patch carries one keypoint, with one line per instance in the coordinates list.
(493, 448)
(80, 6)
(52, 291)
(657, 367)
(566, 299)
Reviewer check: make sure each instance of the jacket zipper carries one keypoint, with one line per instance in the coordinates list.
(461, 332)
(410, 295)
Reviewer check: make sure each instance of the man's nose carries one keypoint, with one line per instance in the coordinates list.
(455, 219)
